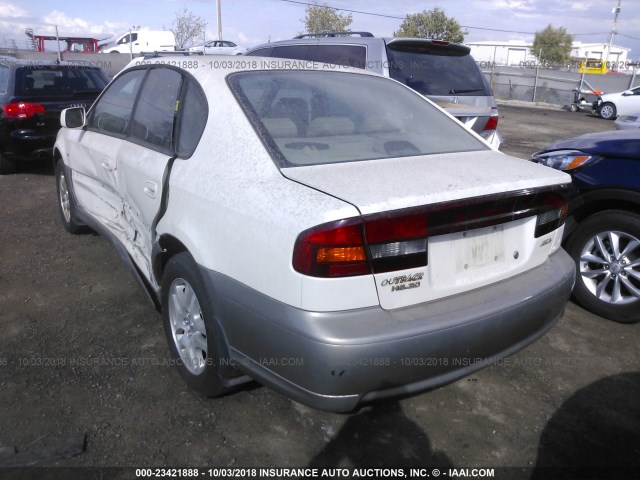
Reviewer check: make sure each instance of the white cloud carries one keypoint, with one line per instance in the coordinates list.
(7, 10)
(78, 26)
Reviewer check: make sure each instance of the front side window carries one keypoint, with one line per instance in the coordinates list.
(317, 117)
(112, 111)
(157, 108)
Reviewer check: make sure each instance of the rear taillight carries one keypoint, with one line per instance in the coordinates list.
(335, 249)
(492, 123)
(22, 110)
(397, 240)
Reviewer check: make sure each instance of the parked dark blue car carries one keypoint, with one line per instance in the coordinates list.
(602, 233)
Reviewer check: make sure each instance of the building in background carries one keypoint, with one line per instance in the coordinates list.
(518, 53)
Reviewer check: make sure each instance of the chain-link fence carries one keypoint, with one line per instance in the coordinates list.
(553, 86)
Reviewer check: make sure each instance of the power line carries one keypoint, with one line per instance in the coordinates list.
(299, 2)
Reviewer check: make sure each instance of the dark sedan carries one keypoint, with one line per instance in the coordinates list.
(32, 95)
(603, 231)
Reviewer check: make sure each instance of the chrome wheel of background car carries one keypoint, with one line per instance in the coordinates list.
(610, 267)
(188, 330)
(608, 111)
(606, 249)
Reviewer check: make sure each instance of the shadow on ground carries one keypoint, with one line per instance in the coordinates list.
(379, 436)
(594, 434)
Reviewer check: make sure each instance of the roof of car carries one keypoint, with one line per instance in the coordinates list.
(365, 38)
(224, 65)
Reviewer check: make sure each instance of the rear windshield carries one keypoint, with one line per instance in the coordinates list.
(318, 117)
(59, 81)
(436, 70)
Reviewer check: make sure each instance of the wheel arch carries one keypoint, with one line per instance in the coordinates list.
(57, 156)
(166, 247)
(603, 200)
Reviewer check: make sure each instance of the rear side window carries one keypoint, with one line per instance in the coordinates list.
(294, 52)
(345, 55)
(436, 70)
(157, 108)
(59, 81)
(193, 118)
(317, 117)
(112, 111)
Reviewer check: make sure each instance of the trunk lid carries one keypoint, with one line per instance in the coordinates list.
(458, 261)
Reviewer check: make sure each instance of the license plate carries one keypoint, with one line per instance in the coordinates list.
(481, 248)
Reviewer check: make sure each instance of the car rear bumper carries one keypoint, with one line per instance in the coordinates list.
(27, 144)
(336, 360)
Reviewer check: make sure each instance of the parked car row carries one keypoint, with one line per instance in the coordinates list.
(341, 219)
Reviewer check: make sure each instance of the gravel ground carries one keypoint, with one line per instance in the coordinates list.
(82, 352)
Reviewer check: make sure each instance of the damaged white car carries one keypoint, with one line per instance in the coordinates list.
(329, 233)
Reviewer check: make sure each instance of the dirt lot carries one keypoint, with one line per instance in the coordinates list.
(83, 351)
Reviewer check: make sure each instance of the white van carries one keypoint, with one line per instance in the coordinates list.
(142, 41)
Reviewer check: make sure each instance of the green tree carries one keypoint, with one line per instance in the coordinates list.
(322, 19)
(431, 24)
(552, 45)
(188, 28)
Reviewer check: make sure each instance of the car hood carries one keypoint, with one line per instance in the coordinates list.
(621, 143)
(611, 96)
(389, 184)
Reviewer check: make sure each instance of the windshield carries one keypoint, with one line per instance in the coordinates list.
(436, 70)
(316, 117)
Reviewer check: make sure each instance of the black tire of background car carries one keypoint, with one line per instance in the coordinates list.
(209, 383)
(71, 226)
(608, 111)
(6, 166)
(610, 220)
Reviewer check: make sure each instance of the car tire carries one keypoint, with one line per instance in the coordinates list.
(66, 204)
(6, 166)
(608, 111)
(195, 340)
(606, 250)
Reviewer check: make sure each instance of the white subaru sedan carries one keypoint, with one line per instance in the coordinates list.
(327, 232)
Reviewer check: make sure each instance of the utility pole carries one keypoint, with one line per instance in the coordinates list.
(615, 11)
(219, 19)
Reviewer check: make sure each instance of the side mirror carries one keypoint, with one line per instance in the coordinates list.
(627, 93)
(72, 117)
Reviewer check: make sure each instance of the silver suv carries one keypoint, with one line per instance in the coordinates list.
(444, 72)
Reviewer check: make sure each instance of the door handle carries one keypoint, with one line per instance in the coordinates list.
(150, 189)
(106, 164)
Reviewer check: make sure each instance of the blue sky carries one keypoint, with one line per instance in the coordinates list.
(251, 22)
